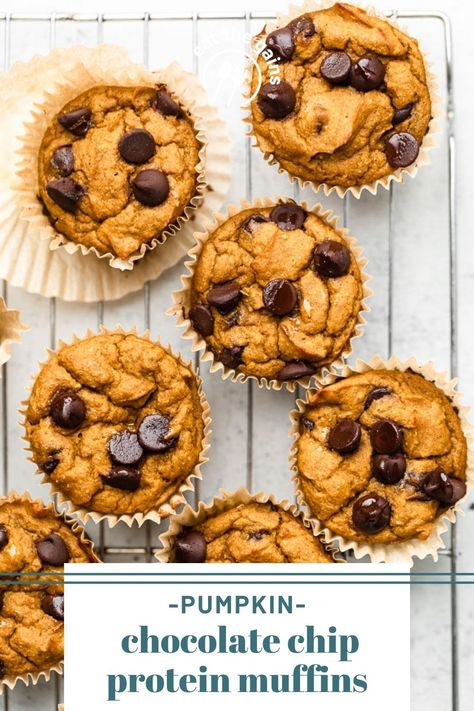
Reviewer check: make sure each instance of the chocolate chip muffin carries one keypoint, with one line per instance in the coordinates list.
(115, 422)
(344, 98)
(33, 538)
(380, 456)
(117, 166)
(250, 533)
(276, 292)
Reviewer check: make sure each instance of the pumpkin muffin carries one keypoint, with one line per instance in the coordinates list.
(117, 166)
(380, 456)
(34, 538)
(250, 533)
(115, 422)
(276, 292)
(344, 98)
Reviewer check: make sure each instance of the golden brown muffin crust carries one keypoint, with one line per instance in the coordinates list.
(318, 328)
(25, 523)
(121, 379)
(260, 533)
(337, 134)
(332, 482)
(30, 640)
(108, 216)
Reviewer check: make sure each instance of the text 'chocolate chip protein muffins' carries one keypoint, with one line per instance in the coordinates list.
(381, 459)
(242, 528)
(118, 425)
(34, 539)
(343, 100)
(117, 168)
(275, 293)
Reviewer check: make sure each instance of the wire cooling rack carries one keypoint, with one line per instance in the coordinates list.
(17, 32)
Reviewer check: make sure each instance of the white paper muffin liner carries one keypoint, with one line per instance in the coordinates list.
(32, 255)
(178, 497)
(398, 175)
(182, 298)
(33, 678)
(10, 330)
(405, 552)
(189, 517)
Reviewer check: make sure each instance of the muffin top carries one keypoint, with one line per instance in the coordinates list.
(276, 292)
(380, 456)
(117, 166)
(34, 538)
(250, 533)
(31, 640)
(116, 422)
(344, 97)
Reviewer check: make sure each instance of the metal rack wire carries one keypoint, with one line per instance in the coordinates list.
(8, 20)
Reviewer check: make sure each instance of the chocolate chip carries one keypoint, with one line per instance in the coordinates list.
(154, 433)
(231, 357)
(65, 192)
(376, 394)
(52, 550)
(303, 25)
(386, 437)
(331, 258)
(137, 146)
(258, 535)
(166, 105)
(3, 536)
(281, 43)
(296, 369)
(53, 605)
(446, 489)
(77, 122)
(122, 477)
(280, 296)
(307, 423)
(389, 468)
(49, 465)
(336, 67)
(225, 297)
(2, 668)
(202, 319)
(288, 216)
(401, 150)
(62, 160)
(252, 221)
(276, 101)
(68, 410)
(124, 448)
(402, 114)
(191, 547)
(151, 187)
(367, 74)
(459, 490)
(371, 513)
(344, 437)
(233, 319)
(437, 485)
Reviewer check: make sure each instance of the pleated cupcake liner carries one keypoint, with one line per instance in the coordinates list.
(407, 551)
(398, 175)
(182, 298)
(190, 517)
(178, 498)
(11, 329)
(32, 254)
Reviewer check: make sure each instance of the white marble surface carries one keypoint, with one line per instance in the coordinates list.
(254, 449)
